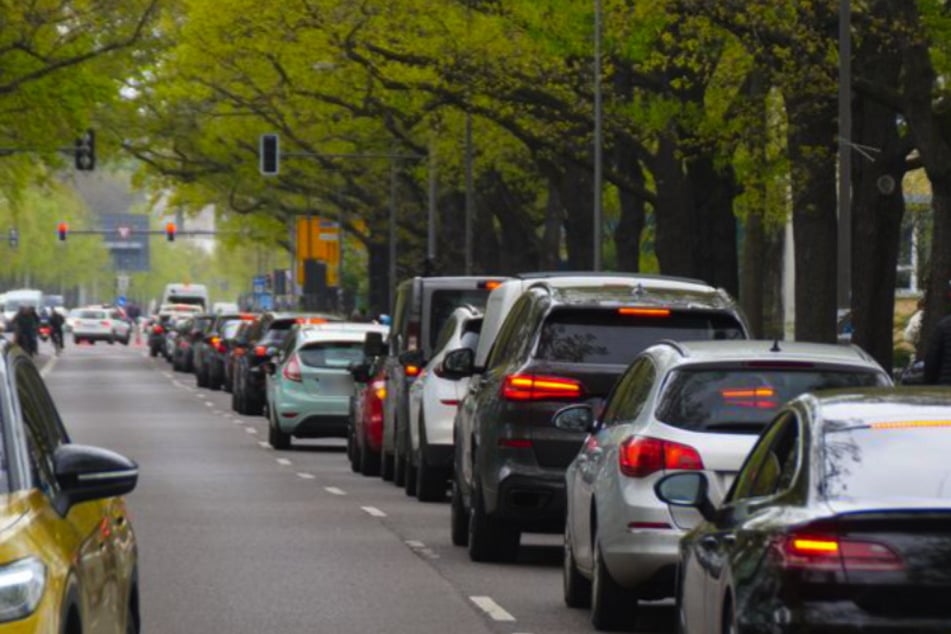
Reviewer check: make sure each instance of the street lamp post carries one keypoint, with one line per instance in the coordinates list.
(598, 136)
(844, 260)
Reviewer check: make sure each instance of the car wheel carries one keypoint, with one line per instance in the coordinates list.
(409, 477)
(369, 461)
(430, 481)
(459, 519)
(278, 439)
(489, 540)
(234, 400)
(399, 468)
(201, 379)
(577, 588)
(153, 352)
(387, 466)
(612, 607)
(76, 341)
(352, 454)
(125, 341)
(729, 625)
(111, 339)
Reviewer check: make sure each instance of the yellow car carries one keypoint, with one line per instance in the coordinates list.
(67, 548)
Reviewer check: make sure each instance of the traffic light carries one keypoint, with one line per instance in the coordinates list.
(14, 238)
(170, 232)
(62, 229)
(86, 151)
(270, 155)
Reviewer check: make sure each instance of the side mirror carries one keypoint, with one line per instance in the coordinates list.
(576, 418)
(373, 345)
(360, 372)
(686, 489)
(270, 366)
(458, 364)
(89, 473)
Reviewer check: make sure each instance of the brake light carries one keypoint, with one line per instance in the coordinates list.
(215, 341)
(490, 285)
(379, 389)
(104, 323)
(260, 351)
(291, 370)
(515, 443)
(158, 330)
(221, 347)
(804, 551)
(411, 370)
(758, 397)
(537, 387)
(640, 456)
(644, 312)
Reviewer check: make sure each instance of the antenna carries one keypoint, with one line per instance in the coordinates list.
(775, 347)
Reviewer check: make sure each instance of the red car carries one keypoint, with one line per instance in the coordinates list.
(365, 438)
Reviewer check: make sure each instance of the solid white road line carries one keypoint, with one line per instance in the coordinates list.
(284, 462)
(306, 476)
(251, 430)
(373, 511)
(334, 490)
(495, 611)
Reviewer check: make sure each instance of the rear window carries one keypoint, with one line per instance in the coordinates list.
(744, 400)
(189, 300)
(606, 336)
(92, 314)
(443, 302)
(230, 328)
(887, 463)
(331, 354)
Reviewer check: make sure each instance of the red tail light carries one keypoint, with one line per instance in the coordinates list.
(291, 370)
(221, 347)
(378, 389)
(411, 370)
(260, 351)
(644, 312)
(537, 387)
(804, 551)
(640, 456)
(158, 330)
(104, 323)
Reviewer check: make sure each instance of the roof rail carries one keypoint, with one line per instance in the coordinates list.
(540, 275)
(673, 344)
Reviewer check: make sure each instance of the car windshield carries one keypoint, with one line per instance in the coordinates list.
(230, 328)
(738, 400)
(605, 336)
(331, 354)
(444, 302)
(92, 314)
(887, 462)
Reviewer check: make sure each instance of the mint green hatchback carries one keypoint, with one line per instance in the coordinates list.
(309, 385)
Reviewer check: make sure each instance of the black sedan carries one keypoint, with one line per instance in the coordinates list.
(839, 521)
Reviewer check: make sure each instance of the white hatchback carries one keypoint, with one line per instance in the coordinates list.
(92, 325)
(678, 406)
(433, 401)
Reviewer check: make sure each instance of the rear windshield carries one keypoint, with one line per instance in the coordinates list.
(331, 354)
(92, 314)
(744, 400)
(443, 302)
(605, 336)
(230, 328)
(886, 463)
(191, 301)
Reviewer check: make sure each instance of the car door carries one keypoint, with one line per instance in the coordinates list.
(739, 532)
(81, 531)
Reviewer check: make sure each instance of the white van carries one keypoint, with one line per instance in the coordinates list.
(185, 293)
(21, 297)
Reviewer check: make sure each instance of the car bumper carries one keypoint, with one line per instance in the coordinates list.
(311, 416)
(93, 335)
(438, 455)
(833, 617)
(531, 501)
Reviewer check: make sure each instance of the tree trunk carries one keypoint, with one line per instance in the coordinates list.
(752, 280)
(577, 193)
(378, 272)
(675, 234)
(550, 256)
(518, 252)
(630, 226)
(876, 213)
(712, 191)
(812, 134)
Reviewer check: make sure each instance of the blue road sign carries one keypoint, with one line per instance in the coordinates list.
(121, 301)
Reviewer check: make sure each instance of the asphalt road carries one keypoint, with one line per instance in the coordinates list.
(236, 537)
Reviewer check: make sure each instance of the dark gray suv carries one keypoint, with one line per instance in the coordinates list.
(557, 345)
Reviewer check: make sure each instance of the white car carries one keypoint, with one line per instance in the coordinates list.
(433, 401)
(121, 328)
(94, 324)
(679, 406)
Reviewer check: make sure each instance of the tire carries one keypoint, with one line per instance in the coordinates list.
(234, 400)
(399, 468)
(489, 540)
(430, 481)
(612, 607)
(76, 341)
(352, 453)
(153, 352)
(729, 626)
(125, 341)
(409, 477)
(459, 519)
(575, 586)
(387, 466)
(278, 439)
(369, 461)
(201, 378)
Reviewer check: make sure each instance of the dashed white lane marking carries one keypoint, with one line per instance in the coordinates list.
(373, 511)
(200, 395)
(415, 545)
(421, 549)
(177, 383)
(284, 462)
(209, 404)
(334, 491)
(251, 430)
(495, 611)
(49, 367)
(167, 375)
(305, 476)
(265, 444)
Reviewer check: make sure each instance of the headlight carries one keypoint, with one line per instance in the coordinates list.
(21, 588)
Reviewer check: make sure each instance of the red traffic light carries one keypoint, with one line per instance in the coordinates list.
(62, 229)
(170, 232)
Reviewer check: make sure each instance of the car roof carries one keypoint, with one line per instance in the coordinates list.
(342, 332)
(652, 293)
(869, 405)
(771, 350)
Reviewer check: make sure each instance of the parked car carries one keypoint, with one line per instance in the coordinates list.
(236, 347)
(837, 521)
(558, 345)
(309, 385)
(191, 332)
(365, 436)
(121, 327)
(433, 401)
(423, 304)
(262, 341)
(696, 405)
(68, 540)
